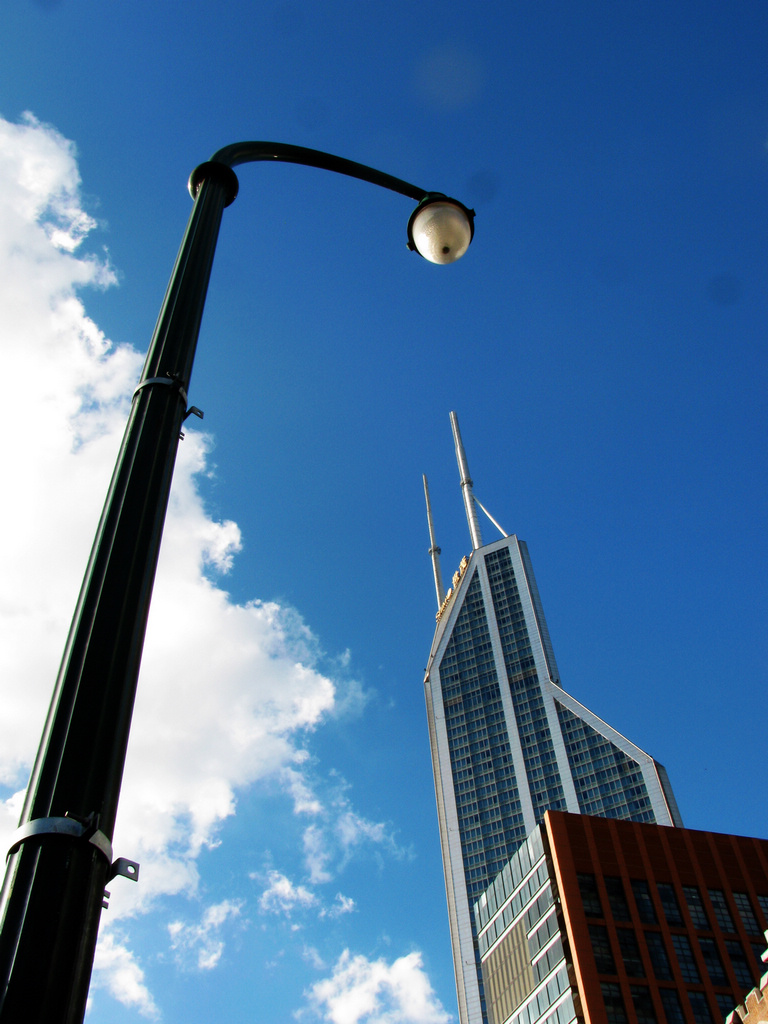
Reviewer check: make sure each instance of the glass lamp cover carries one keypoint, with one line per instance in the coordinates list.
(441, 232)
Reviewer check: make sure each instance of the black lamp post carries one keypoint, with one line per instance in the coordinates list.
(60, 859)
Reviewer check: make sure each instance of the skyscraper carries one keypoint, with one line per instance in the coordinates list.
(508, 743)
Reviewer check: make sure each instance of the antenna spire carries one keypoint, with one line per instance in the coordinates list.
(466, 485)
(434, 550)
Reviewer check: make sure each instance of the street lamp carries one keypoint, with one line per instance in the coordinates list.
(60, 858)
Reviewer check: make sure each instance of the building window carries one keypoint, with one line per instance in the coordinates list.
(746, 913)
(740, 964)
(700, 1006)
(673, 1009)
(617, 900)
(643, 1004)
(589, 895)
(601, 947)
(608, 783)
(685, 958)
(725, 1004)
(712, 962)
(720, 907)
(614, 1004)
(669, 903)
(643, 901)
(758, 949)
(630, 953)
(658, 954)
(763, 901)
(696, 907)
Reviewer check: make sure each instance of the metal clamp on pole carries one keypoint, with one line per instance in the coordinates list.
(71, 828)
(67, 827)
(173, 382)
(169, 381)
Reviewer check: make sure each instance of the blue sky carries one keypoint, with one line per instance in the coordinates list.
(602, 342)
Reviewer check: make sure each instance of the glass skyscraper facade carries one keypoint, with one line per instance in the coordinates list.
(508, 743)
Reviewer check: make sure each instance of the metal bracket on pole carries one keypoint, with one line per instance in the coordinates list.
(71, 828)
(191, 411)
(126, 868)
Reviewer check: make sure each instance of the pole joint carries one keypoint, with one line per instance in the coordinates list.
(215, 170)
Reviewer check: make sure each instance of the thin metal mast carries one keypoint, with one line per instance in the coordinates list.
(466, 486)
(434, 550)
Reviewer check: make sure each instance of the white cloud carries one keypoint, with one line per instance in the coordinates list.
(353, 830)
(282, 896)
(43, 173)
(342, 905)
(117, 971)
(362, 991)
(65, 397)
(228, 691)
(340, 833)
(316, 854)
(304, 800)
(205, 726)
(10, 811)
(311, 955)
(203, 941)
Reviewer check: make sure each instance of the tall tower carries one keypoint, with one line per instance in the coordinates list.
(508, 743)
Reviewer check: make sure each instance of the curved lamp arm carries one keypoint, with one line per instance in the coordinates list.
(440, 228)
(250, 152)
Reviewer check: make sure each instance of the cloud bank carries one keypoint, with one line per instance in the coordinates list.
(362, 991)
(228, 692)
